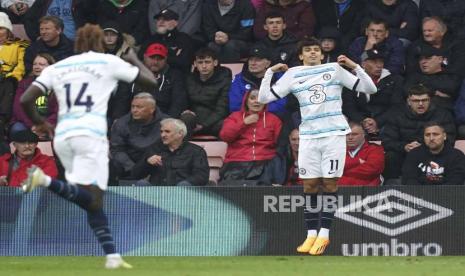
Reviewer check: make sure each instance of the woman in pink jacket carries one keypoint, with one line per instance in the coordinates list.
(252, 135)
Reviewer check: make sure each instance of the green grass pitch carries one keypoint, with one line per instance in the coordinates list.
(205, 266)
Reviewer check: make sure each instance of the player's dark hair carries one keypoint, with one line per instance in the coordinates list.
(89, 38)
(419, 89)
(274, 14)
(57, 22)
(307, 43)
(206, 53)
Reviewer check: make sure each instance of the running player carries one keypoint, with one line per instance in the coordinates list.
(83, 84)
(318, 89)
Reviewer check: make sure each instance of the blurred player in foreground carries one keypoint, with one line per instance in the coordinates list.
(322, 146)
(83, 84)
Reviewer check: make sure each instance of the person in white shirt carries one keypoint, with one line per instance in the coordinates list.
(83, 84)
(322, 146)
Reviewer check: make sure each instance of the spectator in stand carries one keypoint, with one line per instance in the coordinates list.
(132, 134)
(118, 43)
(14, 167)
(401, 17)
(374, 110)
(129, 14)
(404, 130)
(207, 92)
(377, 36)
(71, 12)
(173, 161)
(345, 15)
(11, 68)
(250, 78)
(51, 41)
(252, 136)
(180, 45)
(460, 112)
(436, 162)
(16, 9)
(46, 105)
(298, 15)
(227, 26)
(330, 43)
(171, 95)
(290, 154)
(279, 42)
(436, 35)
(433, 75)
(452, 11)
(189, 11)
(364, 161)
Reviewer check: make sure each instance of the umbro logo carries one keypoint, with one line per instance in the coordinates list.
(392, 212)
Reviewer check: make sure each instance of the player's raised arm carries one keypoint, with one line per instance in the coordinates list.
(267, 93)
(364, 83)
(146, 79)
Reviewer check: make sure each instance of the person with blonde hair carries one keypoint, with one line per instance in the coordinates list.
(83, 84)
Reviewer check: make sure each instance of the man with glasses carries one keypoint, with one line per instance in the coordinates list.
(404, 131)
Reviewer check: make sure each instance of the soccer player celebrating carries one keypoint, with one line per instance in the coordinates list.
(322, 147)
(83, 84)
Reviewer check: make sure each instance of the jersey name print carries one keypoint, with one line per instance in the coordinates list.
(83, 85)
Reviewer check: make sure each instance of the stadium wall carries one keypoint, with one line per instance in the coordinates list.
(230, 221)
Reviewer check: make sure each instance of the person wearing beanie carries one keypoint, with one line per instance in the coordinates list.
(14, 166)
(11, 68)
(330, 43)
(116, 42)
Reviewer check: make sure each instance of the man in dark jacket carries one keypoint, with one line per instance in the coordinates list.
(377, 37)
(433, 75)
(179, 44)
(280, 43)
(345, 15)
(207, 92)
(171, 93)
(435, 34)
(373, 111)
(452, 11)
(400, 15)
(436, 162)
(51, 41)
(227, 25)
(174, 161)
(404, 131)
(133, 133)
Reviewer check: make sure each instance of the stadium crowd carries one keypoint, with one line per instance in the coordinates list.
(414, 51)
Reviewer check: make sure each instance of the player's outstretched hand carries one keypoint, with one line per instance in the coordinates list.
(44, 129)
(280, 67)
(345, 61)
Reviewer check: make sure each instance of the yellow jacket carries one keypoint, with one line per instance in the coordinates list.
(12, 59)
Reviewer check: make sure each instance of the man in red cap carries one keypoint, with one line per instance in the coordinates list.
(171, 95)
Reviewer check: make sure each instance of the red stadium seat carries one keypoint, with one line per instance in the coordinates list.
(236, 68)
(460, 145)
(216, 150)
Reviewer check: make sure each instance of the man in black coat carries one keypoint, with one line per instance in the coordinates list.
(434, 163)
(445, 85)
(174, 161)
(404, 131)
(373, 111)
(180, 45)
(51, 41)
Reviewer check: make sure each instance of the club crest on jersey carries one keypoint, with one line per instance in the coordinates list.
(326, 76)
